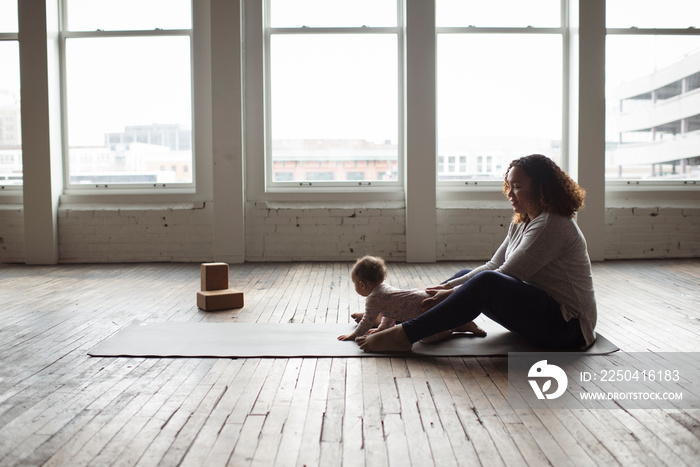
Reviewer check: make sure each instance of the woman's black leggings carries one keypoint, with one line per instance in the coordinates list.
(515, 305)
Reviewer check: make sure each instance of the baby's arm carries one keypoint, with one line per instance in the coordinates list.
(363, 326)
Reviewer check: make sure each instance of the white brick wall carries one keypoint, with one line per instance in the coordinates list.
(287, 232)
(652, 233)
(11, 233)
(470, 234)
(135, 233)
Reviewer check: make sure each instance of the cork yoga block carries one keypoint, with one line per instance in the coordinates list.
(214, 276)
(214, 300)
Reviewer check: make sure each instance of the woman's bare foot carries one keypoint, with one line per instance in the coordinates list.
(389, 340)
(472, 328)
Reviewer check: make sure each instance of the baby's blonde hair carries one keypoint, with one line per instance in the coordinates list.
(370, 269)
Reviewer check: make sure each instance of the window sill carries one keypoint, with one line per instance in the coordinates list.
(149, 206)
(11, 197)
(328, 195)
(652, 185)
(474, 204)
(387, 204)
(129, 196)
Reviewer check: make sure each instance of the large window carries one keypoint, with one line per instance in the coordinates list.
(128, 93)
(333, 92)
(653, 90)
(10, 131)
(499, 85)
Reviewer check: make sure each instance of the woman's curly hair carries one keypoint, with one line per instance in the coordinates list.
(370, 269)
(552, 189)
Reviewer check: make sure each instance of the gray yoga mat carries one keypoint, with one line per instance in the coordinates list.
(174, 339)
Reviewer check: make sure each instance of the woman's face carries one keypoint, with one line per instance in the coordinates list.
(520, 192)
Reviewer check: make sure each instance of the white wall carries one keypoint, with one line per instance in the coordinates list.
(135, 233)
(324, 231)
(11, 233)
(230, 217)
(652, 232)
(280, 232)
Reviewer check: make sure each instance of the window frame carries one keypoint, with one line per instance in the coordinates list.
(450, 188)
(12, 188)
(650, 185)
(339, 186)
(71, 189)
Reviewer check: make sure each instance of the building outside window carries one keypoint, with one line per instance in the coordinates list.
(333, 88)
(128, 92)
(10, 121)
(499, 85)
(653, 90)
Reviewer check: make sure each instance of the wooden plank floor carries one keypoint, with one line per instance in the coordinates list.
(60, 407)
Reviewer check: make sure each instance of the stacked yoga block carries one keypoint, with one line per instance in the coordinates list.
(215, 294)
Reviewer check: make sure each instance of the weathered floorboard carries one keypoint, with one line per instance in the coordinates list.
(59, 406)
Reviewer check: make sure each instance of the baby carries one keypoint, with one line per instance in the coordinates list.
(392, 304)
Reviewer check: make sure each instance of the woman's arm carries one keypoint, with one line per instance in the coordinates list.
(436, 296)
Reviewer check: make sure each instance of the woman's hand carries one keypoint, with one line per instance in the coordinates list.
(436, 296)
(444, 286)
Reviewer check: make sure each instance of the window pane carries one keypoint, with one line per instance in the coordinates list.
(8, 15)
(653, 107)
(332, 13)
(125, 15)
(10, 131)
(499, 98)
(334, 107)
(498, 13)
(652, 13)
(129, 110)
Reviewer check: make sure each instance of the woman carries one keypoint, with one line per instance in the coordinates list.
(538, 283)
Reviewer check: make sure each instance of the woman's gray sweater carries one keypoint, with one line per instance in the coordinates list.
(549, 253)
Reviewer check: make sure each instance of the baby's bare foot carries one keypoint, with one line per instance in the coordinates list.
(389, 340)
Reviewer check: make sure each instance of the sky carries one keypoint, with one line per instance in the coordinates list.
(520, 92)
(113, 83)
(126, 81)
